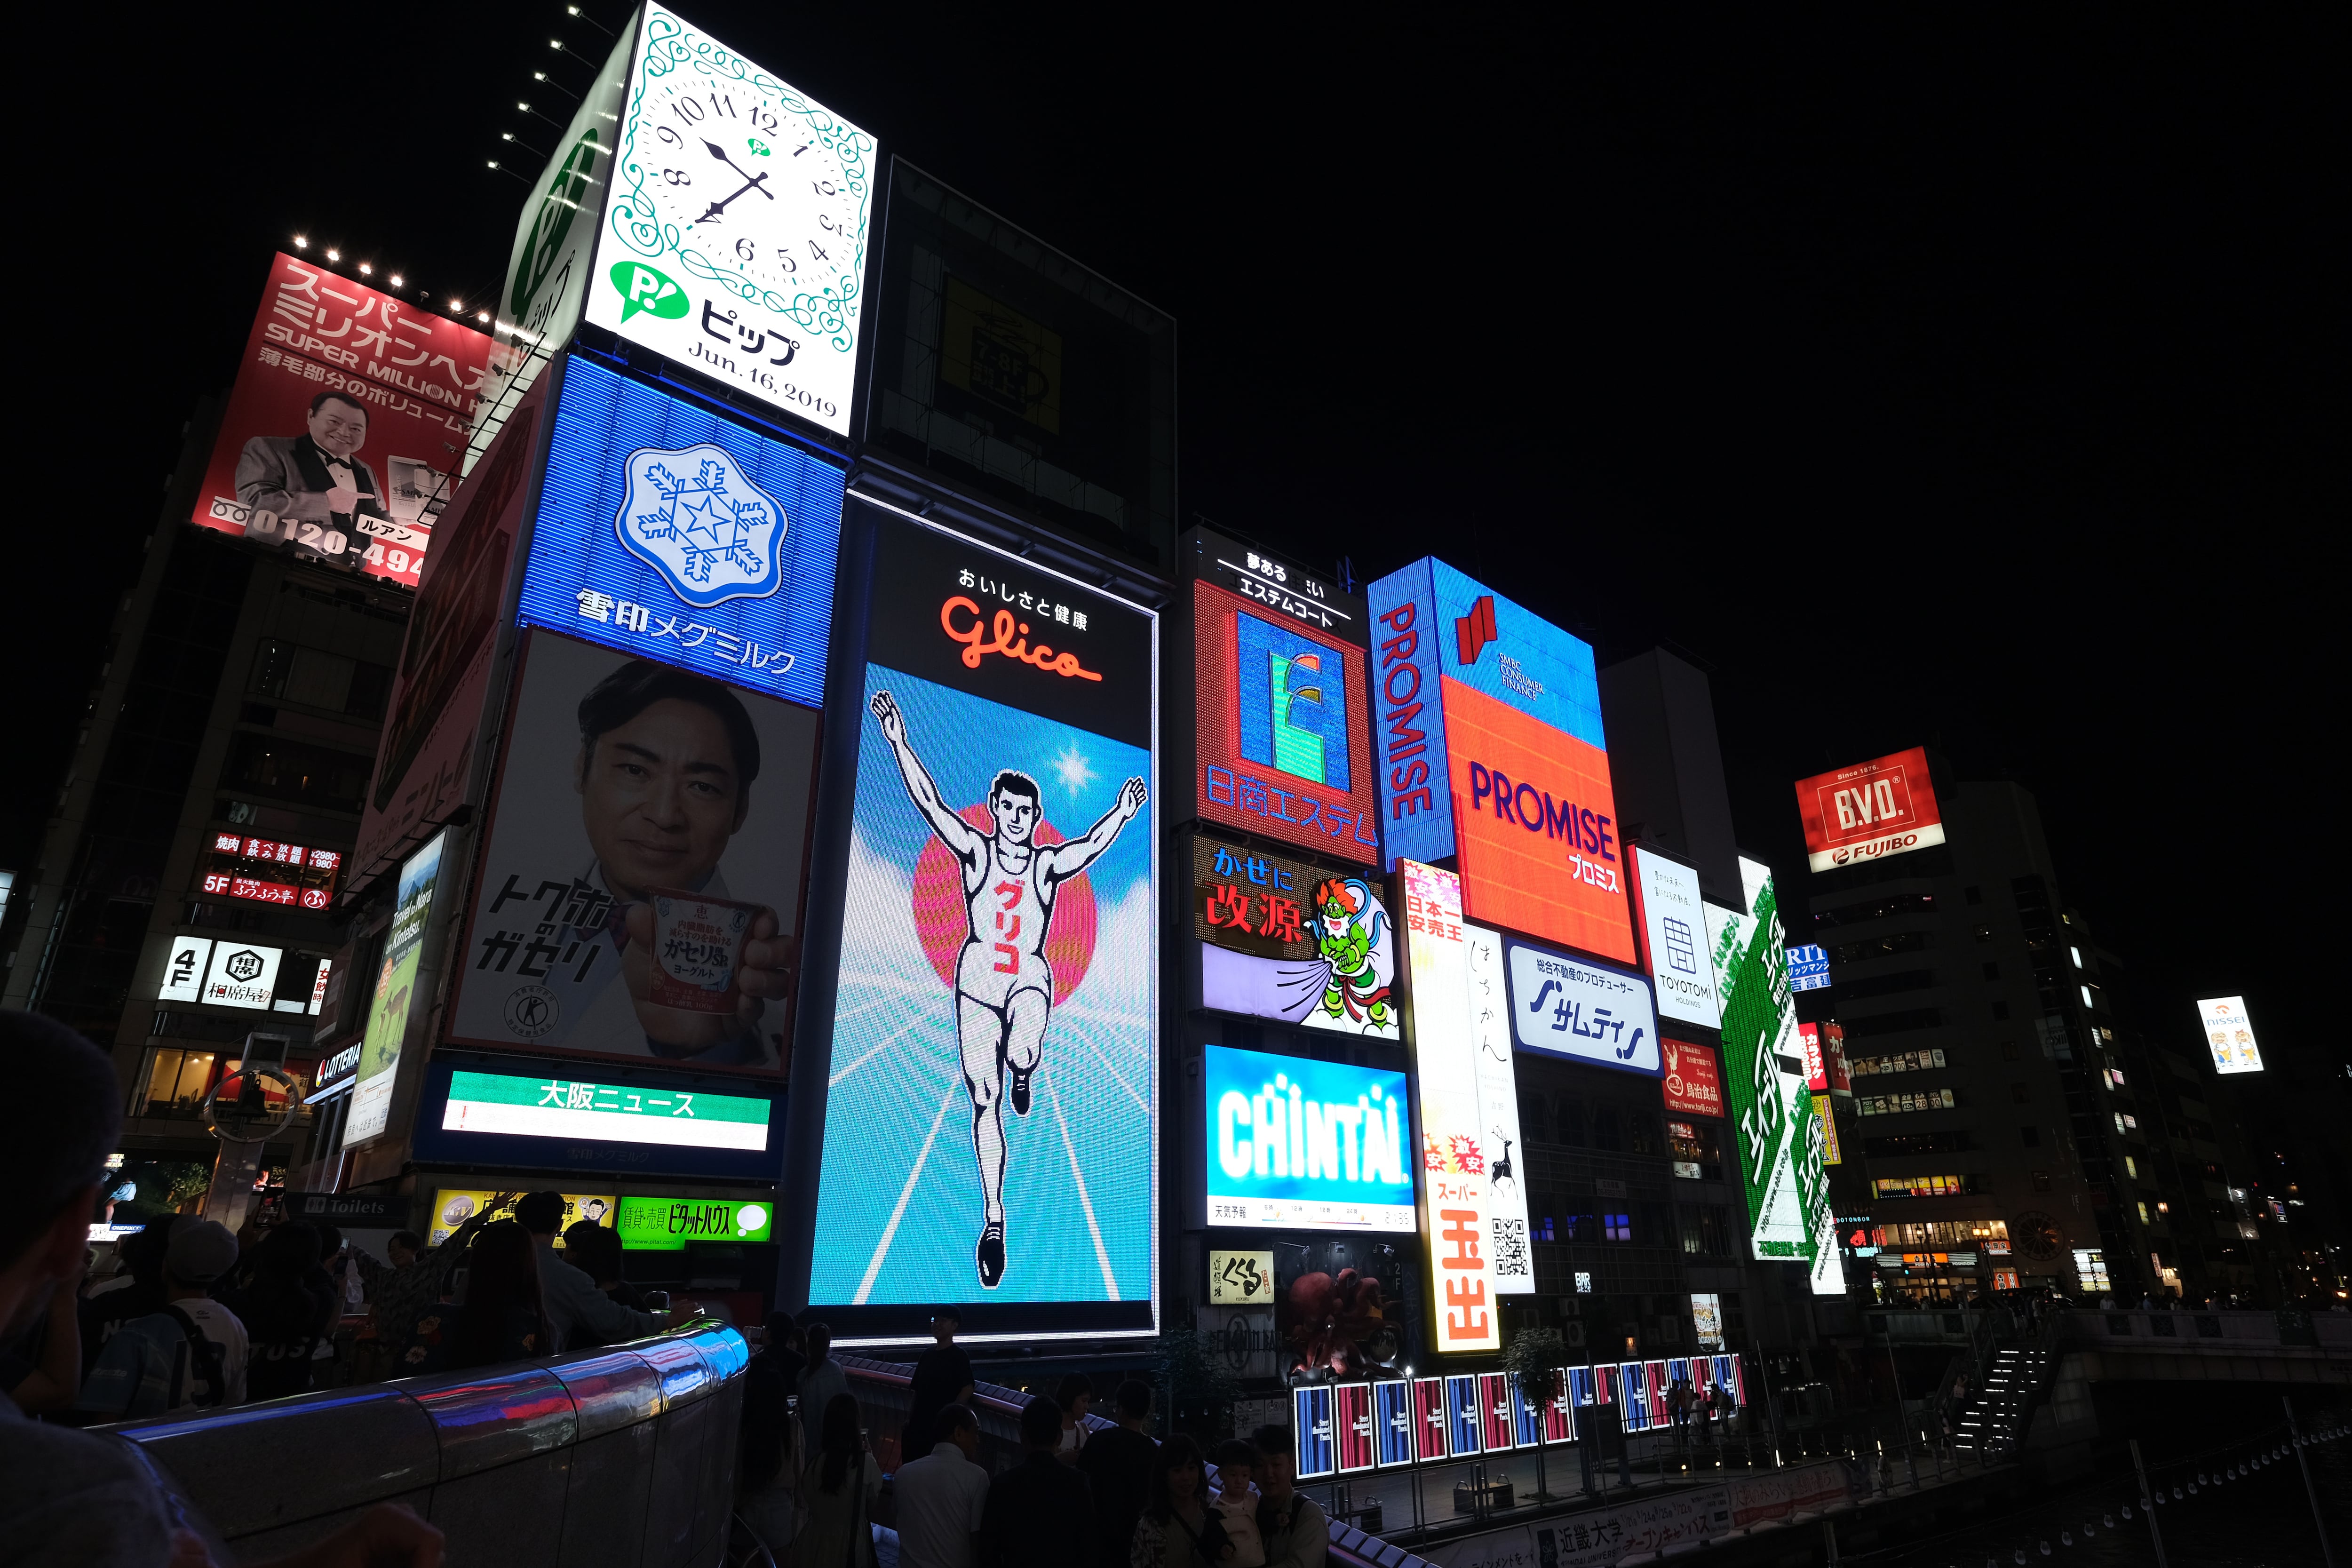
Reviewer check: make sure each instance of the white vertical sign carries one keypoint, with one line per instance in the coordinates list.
(183, 968)
(1498, 1115)
(1453, 1193)
(2230, 1035)
(1673, 940)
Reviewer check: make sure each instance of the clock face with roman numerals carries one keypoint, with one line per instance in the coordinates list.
(735, 231)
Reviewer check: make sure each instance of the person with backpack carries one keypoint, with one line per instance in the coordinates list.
(202, 1252)
(189, 1355)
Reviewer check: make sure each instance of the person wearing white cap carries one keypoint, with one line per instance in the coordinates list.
(201, 1252)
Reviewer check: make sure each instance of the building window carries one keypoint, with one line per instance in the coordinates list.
(2001, 1011)
(1902, 1104)
(1571, 1120)
(1922, 1186)
(1992, 972)
(179, 1080)
(1697, 1150)
(1604, 1128)
(1643, 1130)
(2089, 1001)
(2009, 1050)
(2041, 1181)
(1535, 1123)
(2020, 1094)
(2030, 1137)
(1617, 1227)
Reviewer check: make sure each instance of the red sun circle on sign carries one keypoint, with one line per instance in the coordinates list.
(943, 921)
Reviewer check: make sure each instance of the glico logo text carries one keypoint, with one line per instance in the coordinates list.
(1525, 805)
(1011, 639)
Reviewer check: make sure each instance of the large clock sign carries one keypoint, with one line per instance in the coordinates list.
(735, 227)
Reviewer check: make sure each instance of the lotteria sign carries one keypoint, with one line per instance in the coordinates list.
(1489, 746)
(1869, 811)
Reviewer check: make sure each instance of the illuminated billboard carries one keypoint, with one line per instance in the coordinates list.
(2230, 1035)
(1297, 1145)
(1809, 967)
(989, 1132)
(1691, 1084)
(426, 763)
(666, 1225)
(267, 871)
(549, 266)
(1283, 742)
(1488, 1000)
(395, 997)
(1488, 726)
(673, 535)
(1673, 937)
(1764, 1094)
(624, 786)
(183, 968)
(1455, 1189)
(1825, 1065)
(1281, 939)
(1591, 1012)
(1869, 811)
(479, 1110)
(242, 975)
(733, 235)
(340, 439)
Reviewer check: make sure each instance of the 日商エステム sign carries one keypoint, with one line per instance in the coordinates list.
(1283, 740)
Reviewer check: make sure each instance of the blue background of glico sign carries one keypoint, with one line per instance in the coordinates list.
(1560, 664)
(600, 419)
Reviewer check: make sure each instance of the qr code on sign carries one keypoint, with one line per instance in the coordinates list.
(1511, 1249)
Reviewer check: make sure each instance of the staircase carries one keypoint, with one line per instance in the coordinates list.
(1995, 1418)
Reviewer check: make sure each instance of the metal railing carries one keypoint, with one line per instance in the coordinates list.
(623, 1456)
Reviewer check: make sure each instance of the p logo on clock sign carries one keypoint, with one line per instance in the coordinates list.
(696, 518)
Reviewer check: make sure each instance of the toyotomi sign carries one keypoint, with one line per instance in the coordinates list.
(1673, 937)
(1871, 810)
(2230, 1035)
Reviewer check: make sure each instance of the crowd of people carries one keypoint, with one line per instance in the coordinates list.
(812, 1488)
(197, 1318)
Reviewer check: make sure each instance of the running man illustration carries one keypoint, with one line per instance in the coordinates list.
(1004, 987)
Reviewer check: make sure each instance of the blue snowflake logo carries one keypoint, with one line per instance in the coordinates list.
(697, 519)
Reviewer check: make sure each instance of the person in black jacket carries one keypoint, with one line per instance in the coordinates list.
(1041, 1512)
(1118, 1465)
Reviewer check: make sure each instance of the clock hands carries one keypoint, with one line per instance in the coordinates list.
(750, 182)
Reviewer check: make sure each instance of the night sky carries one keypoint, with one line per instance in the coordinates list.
(1951, 387)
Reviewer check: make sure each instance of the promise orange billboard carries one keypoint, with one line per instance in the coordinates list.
(1870, 810)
